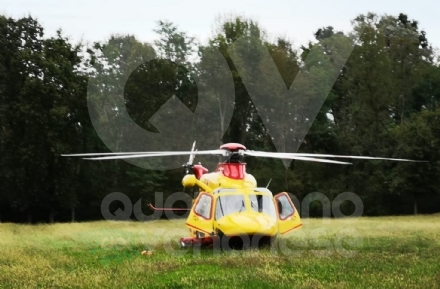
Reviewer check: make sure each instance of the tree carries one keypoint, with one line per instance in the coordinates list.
(410, 55)
(111, 62)
(374, 94)
(418, 138)
(40, 92)
(228, 32)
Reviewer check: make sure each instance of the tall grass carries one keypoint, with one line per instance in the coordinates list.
(385, 252)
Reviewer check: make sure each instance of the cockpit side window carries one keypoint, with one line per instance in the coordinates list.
(285, 208)
(203, 206)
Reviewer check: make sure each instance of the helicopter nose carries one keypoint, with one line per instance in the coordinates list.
(247, 223)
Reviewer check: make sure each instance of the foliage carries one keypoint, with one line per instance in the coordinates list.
(386, 252)
(385, 102)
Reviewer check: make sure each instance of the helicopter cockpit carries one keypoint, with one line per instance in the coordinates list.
(242, 211)
(230, 201)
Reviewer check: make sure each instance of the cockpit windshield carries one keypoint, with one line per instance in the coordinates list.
(262, 204)
(229, 204)
(236, 203)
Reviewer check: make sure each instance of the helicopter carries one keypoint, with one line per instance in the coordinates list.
(229, 206)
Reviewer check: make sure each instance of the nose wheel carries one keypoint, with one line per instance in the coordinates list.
(199, 240)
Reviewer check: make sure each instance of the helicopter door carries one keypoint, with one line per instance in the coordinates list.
(288, 217)
(200, 218)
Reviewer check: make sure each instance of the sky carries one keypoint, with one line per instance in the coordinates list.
(96, 20)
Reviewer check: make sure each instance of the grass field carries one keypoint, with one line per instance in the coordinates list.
(385, 252)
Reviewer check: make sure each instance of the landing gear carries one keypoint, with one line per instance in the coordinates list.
(227, 243)
(204, 242)
(200, 240)
(244, 242)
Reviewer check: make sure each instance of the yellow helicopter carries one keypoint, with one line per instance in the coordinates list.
(230, 206)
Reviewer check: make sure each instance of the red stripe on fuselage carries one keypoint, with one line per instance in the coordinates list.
(300, 225)
(197, 228)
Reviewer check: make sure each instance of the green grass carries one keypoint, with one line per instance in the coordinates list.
(386, 252)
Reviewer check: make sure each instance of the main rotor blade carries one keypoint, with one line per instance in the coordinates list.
(158, 154)
(352, 157)
(118, 153)
(107, 154)
(292, 157)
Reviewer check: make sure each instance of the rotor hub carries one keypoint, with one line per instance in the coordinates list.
(232, 147)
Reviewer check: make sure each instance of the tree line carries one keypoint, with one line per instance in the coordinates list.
(384, 103)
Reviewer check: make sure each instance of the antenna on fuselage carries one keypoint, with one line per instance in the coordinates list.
(268, 183)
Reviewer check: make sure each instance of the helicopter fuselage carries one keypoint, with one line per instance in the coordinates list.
(231, 205)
